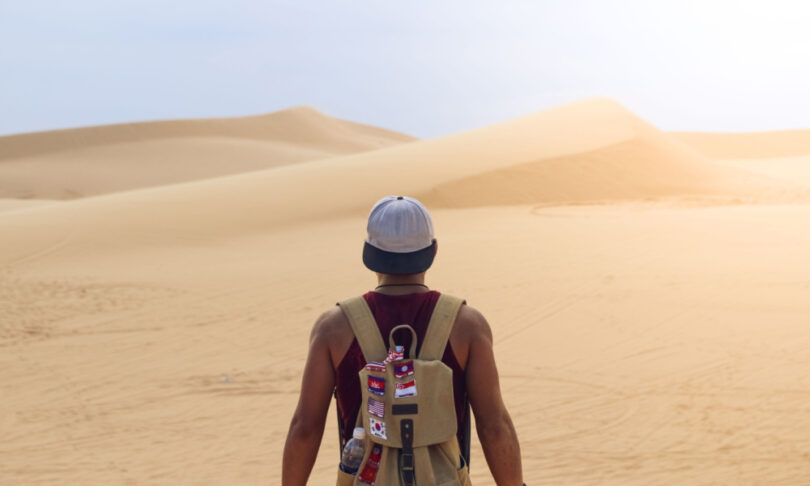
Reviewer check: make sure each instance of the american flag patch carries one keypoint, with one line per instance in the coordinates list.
(376, 407)
(376, 385)
(376, 366)
(407, 389)
(403, 369)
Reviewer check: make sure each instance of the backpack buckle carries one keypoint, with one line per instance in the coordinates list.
(406, 461)
(406, 470)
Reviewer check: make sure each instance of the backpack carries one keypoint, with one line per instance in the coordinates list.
(407, 409)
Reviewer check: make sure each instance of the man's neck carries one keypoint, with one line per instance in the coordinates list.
(400, 284)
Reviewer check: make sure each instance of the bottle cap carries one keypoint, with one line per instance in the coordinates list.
(359, 433)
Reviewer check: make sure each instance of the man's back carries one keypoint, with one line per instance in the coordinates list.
(333, 327)
(400, 248)
(414, 309)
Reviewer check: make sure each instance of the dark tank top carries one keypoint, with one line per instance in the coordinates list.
(390, 311)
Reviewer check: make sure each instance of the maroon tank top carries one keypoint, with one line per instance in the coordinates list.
(390, 311)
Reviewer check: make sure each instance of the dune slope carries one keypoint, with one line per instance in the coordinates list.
(68, 164)
(786, 143)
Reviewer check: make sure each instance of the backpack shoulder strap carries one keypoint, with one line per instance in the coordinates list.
(441, 322)
(365, 328)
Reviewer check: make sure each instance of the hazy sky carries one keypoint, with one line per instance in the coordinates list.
(427, 68)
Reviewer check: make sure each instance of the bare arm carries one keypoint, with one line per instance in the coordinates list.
(306, 428)
(495, 429)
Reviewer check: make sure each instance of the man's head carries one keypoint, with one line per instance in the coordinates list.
(400, 237)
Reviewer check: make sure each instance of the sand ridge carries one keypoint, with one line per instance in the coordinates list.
(784, 143)
(79, 162)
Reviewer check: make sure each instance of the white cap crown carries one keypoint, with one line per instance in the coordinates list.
(399, 224)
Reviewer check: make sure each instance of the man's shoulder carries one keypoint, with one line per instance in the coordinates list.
(333, 332)
(470, 313)
(471, 323)
(331, 326)
(331, 319)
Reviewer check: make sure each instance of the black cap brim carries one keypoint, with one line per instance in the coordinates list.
(391, 263)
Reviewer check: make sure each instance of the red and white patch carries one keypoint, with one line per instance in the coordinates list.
(376, 366)
(406, 389)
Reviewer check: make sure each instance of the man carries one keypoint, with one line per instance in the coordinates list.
(400, 247)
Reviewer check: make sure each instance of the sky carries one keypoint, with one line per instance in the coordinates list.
(427, 68)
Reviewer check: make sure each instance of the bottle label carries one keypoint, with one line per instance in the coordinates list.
(369, 473)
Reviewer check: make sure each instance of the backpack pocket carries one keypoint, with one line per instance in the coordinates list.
(464, 474)
(431, 407)
(345, 479)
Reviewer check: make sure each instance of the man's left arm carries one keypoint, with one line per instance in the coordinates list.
(306, 428)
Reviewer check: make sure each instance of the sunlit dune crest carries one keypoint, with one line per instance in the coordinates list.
(79, 162)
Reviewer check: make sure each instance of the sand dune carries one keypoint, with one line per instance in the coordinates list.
(156, 336)
(648, 166)
(757, 145)
(11, 204)
(589, 151)
(782, 155)
(793, 170)
(73, 163)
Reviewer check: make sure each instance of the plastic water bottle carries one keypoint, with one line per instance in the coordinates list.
(353, 452)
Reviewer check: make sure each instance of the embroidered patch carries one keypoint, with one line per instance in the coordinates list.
(396, 353)
(376, 366)
(376, 385)
(403, 369)
(377, 428)
(406, 389)
(376, 407)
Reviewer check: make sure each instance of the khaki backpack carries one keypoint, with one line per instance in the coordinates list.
(408, 409)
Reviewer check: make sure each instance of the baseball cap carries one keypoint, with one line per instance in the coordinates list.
(400, 237)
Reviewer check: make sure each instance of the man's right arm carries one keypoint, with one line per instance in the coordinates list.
(307, 425)
(495, 429)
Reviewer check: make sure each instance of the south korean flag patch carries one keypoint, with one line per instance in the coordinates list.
(377, 428)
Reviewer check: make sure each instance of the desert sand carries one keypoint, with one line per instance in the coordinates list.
(649, 292)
